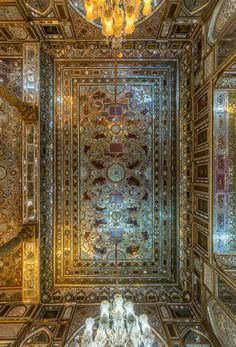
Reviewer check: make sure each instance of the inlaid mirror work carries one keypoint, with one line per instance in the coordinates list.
(195, 339)
(40, 338)
(225, 169)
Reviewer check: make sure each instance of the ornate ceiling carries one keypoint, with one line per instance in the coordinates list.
(31, 20)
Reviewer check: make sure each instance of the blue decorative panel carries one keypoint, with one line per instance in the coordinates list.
(224, 172)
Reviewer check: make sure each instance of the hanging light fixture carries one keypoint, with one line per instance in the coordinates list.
(117, 17)
(118, 325)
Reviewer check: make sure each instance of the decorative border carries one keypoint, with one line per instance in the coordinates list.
(143, 50)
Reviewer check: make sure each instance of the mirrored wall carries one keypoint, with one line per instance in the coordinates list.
(224, 186)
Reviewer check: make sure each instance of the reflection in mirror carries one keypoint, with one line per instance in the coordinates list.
(38, 339)
(194, 339)
(227, 295)
(225, 170)
(227, 45)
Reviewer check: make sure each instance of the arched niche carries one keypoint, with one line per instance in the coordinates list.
(193, 7)
(39, 338)
(160, 341)
(194, 338)
(222, 323)
(221, 19)
(224, 170)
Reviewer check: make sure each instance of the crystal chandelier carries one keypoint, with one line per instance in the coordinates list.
(117, 17)
(118, 326)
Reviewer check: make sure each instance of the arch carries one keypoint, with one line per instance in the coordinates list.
(42, 8)
(194, 331)
(222, 324)
(222, 17)
(193, 7)
(44, 338)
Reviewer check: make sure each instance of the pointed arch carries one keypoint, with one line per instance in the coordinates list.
(192, 330)
(43, 335)
(161, 342)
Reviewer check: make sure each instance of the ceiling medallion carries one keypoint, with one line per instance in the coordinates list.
(117, 17)
(116, 172)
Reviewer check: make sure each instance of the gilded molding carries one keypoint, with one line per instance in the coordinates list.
(27, 111)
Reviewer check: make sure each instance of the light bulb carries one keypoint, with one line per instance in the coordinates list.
(130, 13)
(89, 323)
(147, 8)
(117, 32)
(90, 16)
(147, 2)
(129, 29)
(137, 7)
(107, 30)
(88, 5)
(101, 2)
(118, 16)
